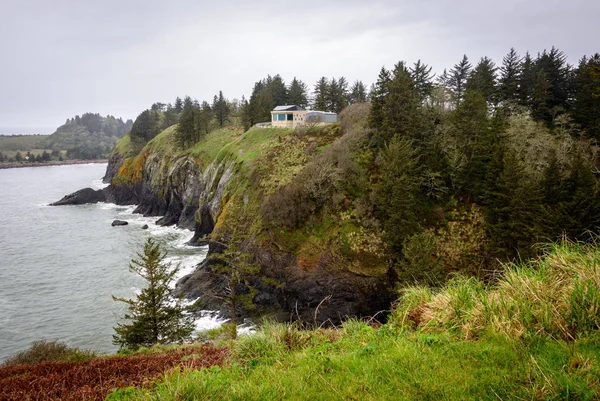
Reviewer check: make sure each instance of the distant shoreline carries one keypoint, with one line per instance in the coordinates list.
(50, 163)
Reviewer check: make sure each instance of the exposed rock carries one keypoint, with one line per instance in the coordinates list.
(119, 223)
(82, 197)
(204, 226)
(145, 227)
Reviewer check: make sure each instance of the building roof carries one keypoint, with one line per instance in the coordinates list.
(289, 107)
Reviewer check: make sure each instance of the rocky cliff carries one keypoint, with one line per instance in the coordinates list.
(217, 189)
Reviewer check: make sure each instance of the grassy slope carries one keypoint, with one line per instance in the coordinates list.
(413, 358)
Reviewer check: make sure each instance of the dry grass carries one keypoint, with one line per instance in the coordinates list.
(557, 296)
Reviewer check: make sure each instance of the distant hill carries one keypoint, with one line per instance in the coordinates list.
(90, 136)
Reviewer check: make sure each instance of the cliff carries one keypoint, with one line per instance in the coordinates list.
(220, 188)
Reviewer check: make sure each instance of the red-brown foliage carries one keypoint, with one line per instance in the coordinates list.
(93, 380)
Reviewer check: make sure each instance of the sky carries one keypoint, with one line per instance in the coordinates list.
(60, 58)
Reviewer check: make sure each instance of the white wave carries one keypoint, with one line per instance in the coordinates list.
(99, 184)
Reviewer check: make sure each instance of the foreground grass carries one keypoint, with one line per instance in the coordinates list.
(534, 336)
(380, 364)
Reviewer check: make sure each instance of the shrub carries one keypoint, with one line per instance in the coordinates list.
(48, 351)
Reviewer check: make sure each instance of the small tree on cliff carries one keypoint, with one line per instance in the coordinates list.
(156, 316)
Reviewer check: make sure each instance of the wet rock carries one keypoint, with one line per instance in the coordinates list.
(145, 227)
(119, 223)
(82, 197)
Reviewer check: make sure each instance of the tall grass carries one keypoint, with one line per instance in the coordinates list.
(556, 296)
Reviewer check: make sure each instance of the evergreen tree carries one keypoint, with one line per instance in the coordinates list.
(186, 130)
(245, 114)
(178, 105)
(378, 97)
(397, 196)
(527, 80)
(298, 93)
(515, 213)
(146, 126)
(279, 92)
(457, 80)
(358, 93)
(203, 120)
(483, 79)
(18, 157)
(332, 95)
(510, 72)
(558, 76)
(400, 109)
(320, 94)
(422, 79)
(155, 316)
(586, 106)
(580, 208)
(221, 109)
(539, 100)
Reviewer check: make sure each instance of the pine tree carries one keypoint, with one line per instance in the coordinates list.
(279, 92)
(509, 77)
(358, 93)
(483, 79)
(422, 78)
(397, 197)
(586, 106)
(580, 208)
(245, 114)
(297, 93)
(400, 108)
(320, 94)
(527, 80)
(221, 109)
(155, 316)
(457, 80)
(186, 130)
(378, 97)
(178, 105)
(515, 212)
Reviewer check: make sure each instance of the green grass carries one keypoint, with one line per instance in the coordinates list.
(430, 349)
(359, 362)
(255, 142)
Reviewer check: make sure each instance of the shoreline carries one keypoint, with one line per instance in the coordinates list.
(51, 163)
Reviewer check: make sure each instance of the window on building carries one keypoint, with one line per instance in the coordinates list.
(274, 117)
(290, 117)
(281, 117)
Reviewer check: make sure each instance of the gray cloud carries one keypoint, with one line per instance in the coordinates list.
(61, 58)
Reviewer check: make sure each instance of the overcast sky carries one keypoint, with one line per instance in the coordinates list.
(60, 58)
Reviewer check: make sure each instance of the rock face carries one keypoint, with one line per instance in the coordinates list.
(324, 295)
(83, 196)
(119, 223)
(183, 193)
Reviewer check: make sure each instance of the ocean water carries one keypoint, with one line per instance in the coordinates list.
(59, 266)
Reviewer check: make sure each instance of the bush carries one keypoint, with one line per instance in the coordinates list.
(49, 351)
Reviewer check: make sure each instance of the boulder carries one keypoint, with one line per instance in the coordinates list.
(145, 227)
(119, 223)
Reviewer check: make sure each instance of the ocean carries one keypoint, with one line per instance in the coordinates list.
(59, 266)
